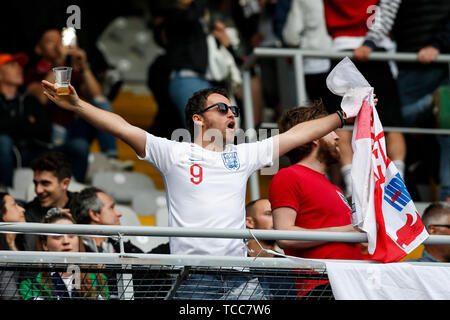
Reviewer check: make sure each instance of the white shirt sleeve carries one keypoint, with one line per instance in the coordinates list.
(159, 152)
(259, 154)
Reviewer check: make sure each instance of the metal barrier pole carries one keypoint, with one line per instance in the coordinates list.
(110, 230)
(250, 124)
(299, 79)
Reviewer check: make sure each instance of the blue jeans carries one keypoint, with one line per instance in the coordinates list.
(182, 88)
(219, 287)
(78, 138)
(278, 288)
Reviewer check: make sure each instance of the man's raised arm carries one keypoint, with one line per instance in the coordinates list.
(305, 132)
(104, 120)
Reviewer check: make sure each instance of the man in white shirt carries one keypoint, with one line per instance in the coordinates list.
(206, 179)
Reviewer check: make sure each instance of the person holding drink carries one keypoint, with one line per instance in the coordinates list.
(63, 64)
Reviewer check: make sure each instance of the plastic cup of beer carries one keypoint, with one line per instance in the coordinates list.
(62, 80)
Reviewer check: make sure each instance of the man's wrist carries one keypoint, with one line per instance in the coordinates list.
(341, 115)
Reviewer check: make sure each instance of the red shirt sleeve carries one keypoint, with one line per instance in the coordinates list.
(284, 191)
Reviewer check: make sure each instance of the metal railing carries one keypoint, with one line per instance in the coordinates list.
(131, 276)
(150, 231)
(298, 56)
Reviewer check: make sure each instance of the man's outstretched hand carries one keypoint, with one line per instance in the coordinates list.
(68, 102)
(352, 119)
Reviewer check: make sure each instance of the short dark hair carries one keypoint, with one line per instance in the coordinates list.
(57, 162)
(249, 207)
(3, 204)
(434, 211)
(197, 103)
(294, 116)
(87, 199)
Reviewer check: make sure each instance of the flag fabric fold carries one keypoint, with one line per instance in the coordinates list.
(382, 206)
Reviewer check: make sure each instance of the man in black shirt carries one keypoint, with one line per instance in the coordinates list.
(52, 174)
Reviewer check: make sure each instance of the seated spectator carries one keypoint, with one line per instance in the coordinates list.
(10, 211)
(61, 285)
(52, 174)
(436, 219)
(259, 216)
(94, 206)
(24, 123)
(70, 134)
(302, 198)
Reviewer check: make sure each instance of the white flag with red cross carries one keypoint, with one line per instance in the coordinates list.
(383, 207)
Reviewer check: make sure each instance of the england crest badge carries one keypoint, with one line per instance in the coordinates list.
(231, 160)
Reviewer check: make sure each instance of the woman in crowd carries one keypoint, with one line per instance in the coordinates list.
(12, 212)
(48, 285)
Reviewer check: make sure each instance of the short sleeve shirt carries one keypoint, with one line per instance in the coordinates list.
(206, 189)
(319, 204)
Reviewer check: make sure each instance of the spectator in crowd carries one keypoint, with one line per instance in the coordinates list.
(296, 193)
(305, 28)
(49, 285)
(51, 177)
(259, 216)
(70, 134)
(436, 219)
(10, 211)
(24, 123)
(351, 28)
(190, 52)
(423, 27)
(94, 206)
(254, 20)
(193, 171)
(168, 119)
(302, 198)
(207, 112)
(52, 174)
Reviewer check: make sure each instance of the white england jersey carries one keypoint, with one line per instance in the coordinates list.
(206, 189)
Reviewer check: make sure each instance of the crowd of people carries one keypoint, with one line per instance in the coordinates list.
(200, 85)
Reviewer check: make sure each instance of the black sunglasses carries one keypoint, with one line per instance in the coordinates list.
(440, 225)
(223, 108)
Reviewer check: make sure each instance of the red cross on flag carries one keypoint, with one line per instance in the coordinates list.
(382, 206)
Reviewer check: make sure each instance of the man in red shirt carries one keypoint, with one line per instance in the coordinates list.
(302, 197)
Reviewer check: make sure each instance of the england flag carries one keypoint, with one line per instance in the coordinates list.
(383, 208)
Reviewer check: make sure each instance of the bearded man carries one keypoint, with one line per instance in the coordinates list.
(302, 198)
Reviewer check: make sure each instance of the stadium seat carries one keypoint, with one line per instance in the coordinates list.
(21, 180)
(152, 203)
(122, 185)
(130, 218)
